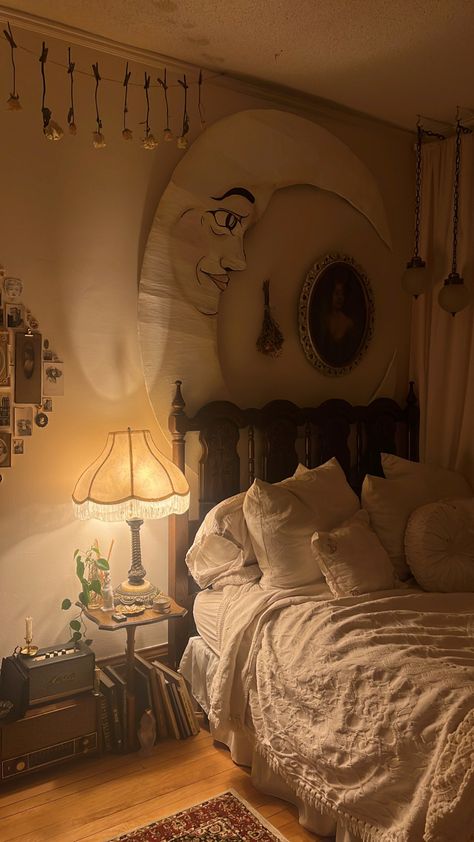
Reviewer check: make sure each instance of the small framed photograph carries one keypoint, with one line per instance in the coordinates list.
(14, 315)
(47, 405)
(18, 447)
(13, 288)
(4, 360)
(5, 411)
(53, 378)
(28, 368)
(23, 421)
(5, 449)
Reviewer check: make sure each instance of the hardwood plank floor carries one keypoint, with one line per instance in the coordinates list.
(95, 799)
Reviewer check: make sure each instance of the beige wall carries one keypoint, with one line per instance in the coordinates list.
(73, 224)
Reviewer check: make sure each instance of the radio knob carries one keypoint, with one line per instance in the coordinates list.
(20, 766)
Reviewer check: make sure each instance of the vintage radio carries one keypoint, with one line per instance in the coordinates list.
(53, 673)
(49, 734)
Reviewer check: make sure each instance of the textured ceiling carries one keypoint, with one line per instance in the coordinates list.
(388, 58)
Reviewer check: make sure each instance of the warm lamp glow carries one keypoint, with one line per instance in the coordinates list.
(131, 480)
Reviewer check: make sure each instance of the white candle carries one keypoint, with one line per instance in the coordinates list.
(29, 628)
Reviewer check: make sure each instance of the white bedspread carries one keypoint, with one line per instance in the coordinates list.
(363, 705)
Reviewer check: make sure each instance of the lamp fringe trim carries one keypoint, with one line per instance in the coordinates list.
(132, 509)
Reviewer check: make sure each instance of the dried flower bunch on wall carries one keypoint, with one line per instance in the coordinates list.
(31, 374)
(53, 131)
(271, 339)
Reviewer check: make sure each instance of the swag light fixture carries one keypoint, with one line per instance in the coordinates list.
(454, 295)
(131, 480)
(415, 278)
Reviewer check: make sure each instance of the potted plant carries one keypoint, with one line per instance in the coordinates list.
(91, 568)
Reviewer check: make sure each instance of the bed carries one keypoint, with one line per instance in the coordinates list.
(355, 706)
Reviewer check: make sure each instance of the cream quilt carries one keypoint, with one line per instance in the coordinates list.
(364, 705)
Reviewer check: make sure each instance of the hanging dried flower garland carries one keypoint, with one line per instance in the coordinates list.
(98, 138)
(13, 101)
(271, 339)
(51, 129)
(71, 118)
(167, 133)
(127, 133)
(148, 141)
(183, 139)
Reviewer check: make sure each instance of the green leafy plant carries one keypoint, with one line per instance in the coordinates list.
(90, 569)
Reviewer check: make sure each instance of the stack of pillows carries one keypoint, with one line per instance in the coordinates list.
(417, 521)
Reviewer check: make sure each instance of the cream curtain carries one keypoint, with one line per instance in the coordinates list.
(442, 346)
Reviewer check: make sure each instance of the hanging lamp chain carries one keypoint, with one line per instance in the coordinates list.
(460, 130)
(419, 141)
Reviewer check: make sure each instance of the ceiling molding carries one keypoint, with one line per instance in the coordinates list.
(277, 94)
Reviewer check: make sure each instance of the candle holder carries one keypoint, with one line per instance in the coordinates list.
(29, 650)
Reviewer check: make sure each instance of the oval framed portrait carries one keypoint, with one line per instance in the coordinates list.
(336, 315)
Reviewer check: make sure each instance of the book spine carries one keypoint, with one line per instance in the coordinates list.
(158, 707)
(105, 724)
(170, 715)
(183, 726)
(188, 709)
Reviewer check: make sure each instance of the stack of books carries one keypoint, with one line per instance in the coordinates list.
(157, 688)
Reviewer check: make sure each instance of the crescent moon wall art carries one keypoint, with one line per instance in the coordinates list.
(196, 245)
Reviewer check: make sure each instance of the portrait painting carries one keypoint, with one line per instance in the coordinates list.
(5, 450)
(28, 368)
(336, 315)
(18, 447)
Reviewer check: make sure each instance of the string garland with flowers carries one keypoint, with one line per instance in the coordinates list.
(71, 117)
(13, 101)
(127, 133)
(98, 138)
(167, 133)
(183, 139)
(148, 141)
(53, 131)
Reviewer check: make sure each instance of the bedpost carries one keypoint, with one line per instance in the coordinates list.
(413, 424)
(178, 537)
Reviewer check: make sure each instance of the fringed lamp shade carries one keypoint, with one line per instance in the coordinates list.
(131, 480)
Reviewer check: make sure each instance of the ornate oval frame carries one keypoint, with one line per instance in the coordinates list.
(313, 344)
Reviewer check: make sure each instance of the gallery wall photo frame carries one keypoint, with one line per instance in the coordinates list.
(28, 368)
(336, 315)
(5, 449)
(4, 360)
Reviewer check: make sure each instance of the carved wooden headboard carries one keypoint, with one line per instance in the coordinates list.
(240, 444)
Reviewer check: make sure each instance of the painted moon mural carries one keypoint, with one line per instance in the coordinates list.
(196, 245)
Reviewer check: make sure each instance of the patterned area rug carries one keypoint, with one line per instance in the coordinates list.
(225, 818)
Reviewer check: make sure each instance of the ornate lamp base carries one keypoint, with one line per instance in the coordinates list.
(136, 588)
(128, 593)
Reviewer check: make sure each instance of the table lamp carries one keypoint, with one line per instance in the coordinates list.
(131, 480)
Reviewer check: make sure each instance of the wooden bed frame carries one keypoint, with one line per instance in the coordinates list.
(278, 436)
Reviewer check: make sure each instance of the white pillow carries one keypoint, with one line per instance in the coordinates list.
(281, 519)
(442, 481)
(222, 543)
(390, 502)
(352, 558)
(439, 544)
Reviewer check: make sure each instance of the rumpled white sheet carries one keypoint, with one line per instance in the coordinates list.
(363, 705)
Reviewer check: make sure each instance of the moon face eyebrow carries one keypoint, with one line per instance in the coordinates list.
(236, 191)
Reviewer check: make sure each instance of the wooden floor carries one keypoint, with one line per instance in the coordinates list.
(95, 799)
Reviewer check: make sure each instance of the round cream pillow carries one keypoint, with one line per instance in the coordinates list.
(439, 545)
